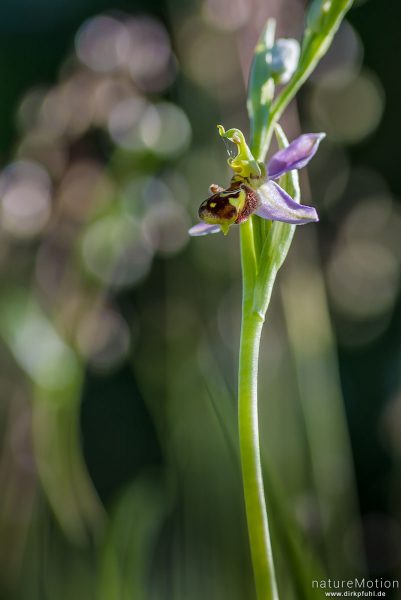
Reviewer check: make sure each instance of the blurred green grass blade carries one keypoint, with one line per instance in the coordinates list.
(313, 351)
(303, 564)
(128, 550)
(55, 375)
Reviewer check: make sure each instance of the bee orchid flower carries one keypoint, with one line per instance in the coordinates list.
(252, 190)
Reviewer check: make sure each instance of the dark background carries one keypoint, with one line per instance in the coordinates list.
(153, 506)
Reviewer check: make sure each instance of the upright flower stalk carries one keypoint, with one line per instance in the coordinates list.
(258, 281)
(255, 504)
(267, 213)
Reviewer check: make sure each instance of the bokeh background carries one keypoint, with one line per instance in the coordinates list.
(119, 470)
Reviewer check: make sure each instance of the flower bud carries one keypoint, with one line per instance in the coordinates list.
(283, 59)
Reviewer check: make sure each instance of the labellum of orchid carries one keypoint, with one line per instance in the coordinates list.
(253, 191)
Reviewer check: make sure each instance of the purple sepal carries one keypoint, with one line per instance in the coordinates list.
(294, 156)
(203, 229)
(277, 205)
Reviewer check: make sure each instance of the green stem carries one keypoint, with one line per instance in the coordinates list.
(248, 260)
(255, 504)
(258, 527)
(248, 423)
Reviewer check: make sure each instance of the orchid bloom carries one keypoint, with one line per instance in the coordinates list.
(253, 191)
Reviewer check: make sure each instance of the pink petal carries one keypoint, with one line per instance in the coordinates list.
(277, 205)
(294, 156)
(203, 229)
